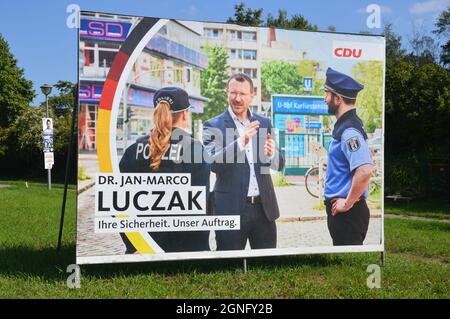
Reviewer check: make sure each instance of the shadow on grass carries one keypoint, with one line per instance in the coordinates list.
(48, 264)
(208, 266)
(45, 263)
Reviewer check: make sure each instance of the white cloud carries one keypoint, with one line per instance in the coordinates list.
(429, 6)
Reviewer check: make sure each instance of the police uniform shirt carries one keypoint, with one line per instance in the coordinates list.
(136, 158)
(347, 151)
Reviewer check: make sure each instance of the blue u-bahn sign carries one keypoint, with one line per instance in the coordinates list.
(299, 104)
(308, 84)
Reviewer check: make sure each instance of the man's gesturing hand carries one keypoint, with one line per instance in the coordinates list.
(249, 131)
(269, 147)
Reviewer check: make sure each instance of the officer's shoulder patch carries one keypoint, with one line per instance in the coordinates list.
(353, 144)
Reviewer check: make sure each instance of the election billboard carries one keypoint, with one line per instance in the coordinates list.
(255, 155)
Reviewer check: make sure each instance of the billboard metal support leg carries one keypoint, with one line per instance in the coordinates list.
(69, 155)
(49, 179)
(245, 265)
(382, 259)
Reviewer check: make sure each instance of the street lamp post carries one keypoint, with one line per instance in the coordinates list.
(46, 90)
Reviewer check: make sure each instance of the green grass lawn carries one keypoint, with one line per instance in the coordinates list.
(417, 262)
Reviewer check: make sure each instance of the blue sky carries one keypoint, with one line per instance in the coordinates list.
(46, 48)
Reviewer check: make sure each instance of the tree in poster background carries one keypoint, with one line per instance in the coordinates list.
(280, 77)
(370, 100)
(308, 68)
(213, 82)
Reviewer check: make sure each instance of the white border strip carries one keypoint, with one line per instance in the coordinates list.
(228, 254)
(383, 124)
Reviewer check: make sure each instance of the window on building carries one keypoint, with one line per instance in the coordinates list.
(235, 54)
(178, 73)
(217, 33)
(88, 126)
(88, 57)
(213, 33)
(196, 78)
(234, 70)
(106, 58)
(249, 36)
(188, 75)
(252, 73)
(249, 54)
(242, 35)
(235, 35)
(155, 65)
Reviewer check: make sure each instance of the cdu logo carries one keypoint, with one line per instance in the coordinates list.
(348, 52)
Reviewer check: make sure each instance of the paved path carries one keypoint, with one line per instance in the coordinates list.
(89, 163)
(315, 233)
(90, 243)
(425, 219)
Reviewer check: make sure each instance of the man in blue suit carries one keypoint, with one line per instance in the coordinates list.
(242, 152)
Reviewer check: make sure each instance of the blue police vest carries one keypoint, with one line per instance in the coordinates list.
(347, 151)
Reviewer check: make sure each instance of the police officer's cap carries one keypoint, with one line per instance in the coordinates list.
(177, 98)
(342, 84)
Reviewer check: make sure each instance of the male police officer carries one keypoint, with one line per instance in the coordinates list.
(349, 163)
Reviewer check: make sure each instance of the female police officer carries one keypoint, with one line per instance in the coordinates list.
(349, 164)
(170, 149)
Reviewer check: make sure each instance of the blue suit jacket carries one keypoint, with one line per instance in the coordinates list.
(232, 169)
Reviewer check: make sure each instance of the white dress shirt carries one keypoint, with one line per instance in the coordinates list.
(253, 188)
